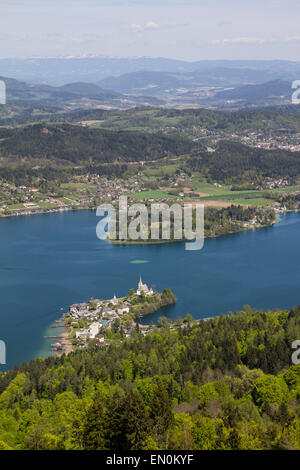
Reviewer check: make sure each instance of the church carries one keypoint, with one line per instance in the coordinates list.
(143, 288)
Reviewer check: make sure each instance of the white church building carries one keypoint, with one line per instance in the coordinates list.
(143, 288)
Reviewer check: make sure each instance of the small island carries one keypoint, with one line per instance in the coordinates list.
(104, 320)
(218, 221)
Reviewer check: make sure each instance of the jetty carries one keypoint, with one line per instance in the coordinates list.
(54, 337)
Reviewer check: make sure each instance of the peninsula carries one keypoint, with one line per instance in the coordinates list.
(104, 320)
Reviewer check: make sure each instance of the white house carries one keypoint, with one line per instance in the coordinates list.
(93, 330)
(123, 309)
(82, 334)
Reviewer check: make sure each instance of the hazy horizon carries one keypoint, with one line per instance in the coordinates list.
(190, 31)
(79, 57)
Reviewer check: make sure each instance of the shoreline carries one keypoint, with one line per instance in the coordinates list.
(65, 341)
(144, 242)
(46, 211)
(281, 217)
(42, 211)
(168, 242)
(65, 344)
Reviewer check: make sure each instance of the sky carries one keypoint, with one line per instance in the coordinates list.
(189, 30)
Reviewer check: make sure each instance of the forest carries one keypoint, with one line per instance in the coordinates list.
(233, 162)
(270, 118)
(74, 144)
(60, 146)
(225, 383)
(217, 222)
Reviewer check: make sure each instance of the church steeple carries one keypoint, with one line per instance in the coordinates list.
(143, 288)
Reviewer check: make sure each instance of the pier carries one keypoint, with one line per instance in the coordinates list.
(54, 337)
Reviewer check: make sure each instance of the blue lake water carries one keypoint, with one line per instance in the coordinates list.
(49, 261)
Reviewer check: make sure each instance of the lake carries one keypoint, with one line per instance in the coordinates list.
(48, 262)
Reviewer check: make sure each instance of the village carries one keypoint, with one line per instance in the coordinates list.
(104, 320)
(80, 192)
(256, 138)
(143, 182)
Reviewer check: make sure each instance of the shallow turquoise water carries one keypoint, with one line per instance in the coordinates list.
(49, 261)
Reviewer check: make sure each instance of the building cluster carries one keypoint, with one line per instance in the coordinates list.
(275, 184)
(272, 140)
(259, 138)
(80, 192)
(100, 314)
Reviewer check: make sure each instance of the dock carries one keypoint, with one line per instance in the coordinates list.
(54, 337)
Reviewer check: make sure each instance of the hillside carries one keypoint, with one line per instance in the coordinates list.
(58, 72)
(143, 82)
(151, 119)
(222, 384)
(76, 144)
(270, 91)
(233, 161)
(157, 119)
(69, 96)
(156, 82)
(149, 81)
(206, 87)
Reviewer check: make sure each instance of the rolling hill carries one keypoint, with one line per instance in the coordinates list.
(74, 144)
(143, 82)
(71, 95)
(58, 72)
(274, 90)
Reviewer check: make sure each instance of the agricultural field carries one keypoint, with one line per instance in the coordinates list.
(154, 194)
(211, 193)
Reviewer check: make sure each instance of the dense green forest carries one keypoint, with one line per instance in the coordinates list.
(25, 174)
(74, 144)
(223, 383)
(217, 222)
(269, 118)
(66, 144)
(233, 161)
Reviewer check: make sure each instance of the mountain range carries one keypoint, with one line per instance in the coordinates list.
(170, 83)
(59, 72)
(273, 91)
(71, 95)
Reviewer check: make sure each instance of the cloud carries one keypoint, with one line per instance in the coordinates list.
(240, 40)
(293, 38)
(252, 40)
(139, 28)
(151, 25)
